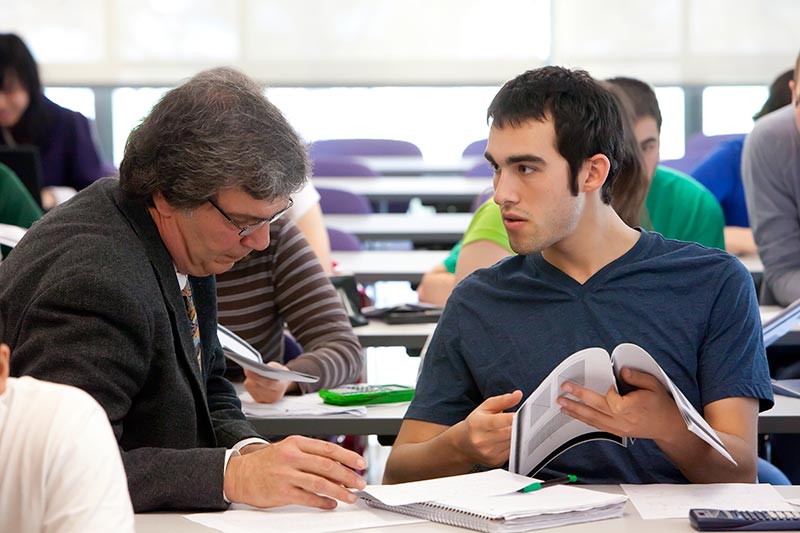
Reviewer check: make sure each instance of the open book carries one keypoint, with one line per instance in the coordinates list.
(541, 432)
(489, 501)
(239, 351)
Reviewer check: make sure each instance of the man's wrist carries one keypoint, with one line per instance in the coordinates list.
(230, 481)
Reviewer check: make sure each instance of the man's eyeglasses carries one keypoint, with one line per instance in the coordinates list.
(244, 231)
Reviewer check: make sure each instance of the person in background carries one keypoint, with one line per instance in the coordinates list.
(771, 178)
(721, 173)
(584, 278)
(65, 138)
(284, 286)
(306, 213)
(61, 469)
(114, 293)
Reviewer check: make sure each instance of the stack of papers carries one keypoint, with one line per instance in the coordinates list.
(489, 501)
(305, 405)
(656, 502)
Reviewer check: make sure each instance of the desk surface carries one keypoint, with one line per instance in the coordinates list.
(428, 189)
(439, 228)
(631, 522)
(388, 265)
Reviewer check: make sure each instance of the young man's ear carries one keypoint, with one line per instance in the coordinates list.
(595, 173)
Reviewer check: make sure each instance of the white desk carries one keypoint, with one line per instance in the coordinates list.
(753, 263)
(428, 189)
(439, 228)
(380, 420)
(405, 165)
(388, 265)
(631, 522)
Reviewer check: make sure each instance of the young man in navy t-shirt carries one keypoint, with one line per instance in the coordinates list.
(583, 278)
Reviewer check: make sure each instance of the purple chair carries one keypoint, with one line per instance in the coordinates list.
(474, 148)
(339, 202)
(481, 170)
(341, 167)
(344, 242)
(363, 147)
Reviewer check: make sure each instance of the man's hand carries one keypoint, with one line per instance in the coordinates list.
(648, 412)
(265, 390)
(486, 431)
(297, 470)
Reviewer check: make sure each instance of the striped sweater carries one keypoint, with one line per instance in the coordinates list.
(285, 285)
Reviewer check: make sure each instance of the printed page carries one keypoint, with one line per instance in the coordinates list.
(239, 351)
(635, 357)
(346, 517)
(477, 485)
(540, 431)
(656, 502)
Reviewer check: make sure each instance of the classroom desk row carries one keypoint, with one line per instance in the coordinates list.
(410, 265)
(631, 522)
(413, 336)
(403, 188)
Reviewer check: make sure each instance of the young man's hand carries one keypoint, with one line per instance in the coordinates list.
(647, 412)
(296, 470)
(486, 432)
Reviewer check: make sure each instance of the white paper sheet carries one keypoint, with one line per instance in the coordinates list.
(305, 405)
(655, 502)
(481, 484)
(346, 517)
(793, 501)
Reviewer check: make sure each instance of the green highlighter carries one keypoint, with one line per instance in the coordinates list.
(362, 394)
(549, 483)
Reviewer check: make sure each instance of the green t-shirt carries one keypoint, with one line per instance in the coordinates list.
(17, 206)
(678, 207)
(681, 208)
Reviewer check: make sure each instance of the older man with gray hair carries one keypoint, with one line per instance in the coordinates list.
(114, 293)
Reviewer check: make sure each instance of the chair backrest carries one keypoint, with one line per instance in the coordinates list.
(475, 148)
(340, 202)
(344, 242)
(481, 170)
(24, 160)
(362, 147)
(341, 167)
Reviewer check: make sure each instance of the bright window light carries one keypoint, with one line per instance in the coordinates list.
(730, 109)
(80, 99)
(128, 107)
(441, 121)
(671, 103)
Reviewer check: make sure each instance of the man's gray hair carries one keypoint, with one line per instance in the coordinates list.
(215, 131)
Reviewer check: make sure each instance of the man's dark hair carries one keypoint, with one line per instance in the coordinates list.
(779, 94)
(585, 116)
(215, 131)
(642, 98)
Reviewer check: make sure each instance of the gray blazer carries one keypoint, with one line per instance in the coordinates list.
(89, 297)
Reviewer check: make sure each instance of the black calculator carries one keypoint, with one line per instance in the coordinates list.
(722, 520)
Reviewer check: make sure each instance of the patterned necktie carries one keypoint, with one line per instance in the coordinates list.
(192, 312)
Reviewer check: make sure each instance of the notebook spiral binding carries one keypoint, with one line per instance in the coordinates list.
(439, 513)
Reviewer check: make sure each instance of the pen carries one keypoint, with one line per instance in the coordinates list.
(549, 483)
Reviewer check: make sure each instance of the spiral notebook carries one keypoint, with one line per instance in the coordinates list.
(473, 502)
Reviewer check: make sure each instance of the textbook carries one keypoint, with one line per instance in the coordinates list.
(490, 501)
(781, 323)
(240, 352)
(541, 432)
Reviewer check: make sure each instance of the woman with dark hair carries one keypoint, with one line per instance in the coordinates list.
(65, 139)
